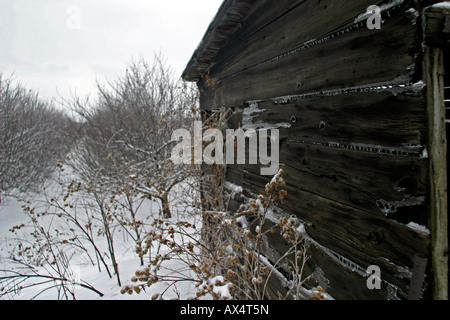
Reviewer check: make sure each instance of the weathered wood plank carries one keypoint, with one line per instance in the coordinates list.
(360, 237)
(384, 185)
(344, 284)
(340, 281)
(380, 184)
(356, 58)
(437, 27)
(331, 272)
(375, 119)
(282, 28)
(358, 173)
(262, 15)
(234, 174)
(438, 189)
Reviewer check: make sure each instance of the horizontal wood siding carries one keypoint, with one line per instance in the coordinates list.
(351, 111)
(349, 57)
(360, 237)
(378, 119)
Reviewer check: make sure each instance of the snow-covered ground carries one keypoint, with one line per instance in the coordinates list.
(12, 214)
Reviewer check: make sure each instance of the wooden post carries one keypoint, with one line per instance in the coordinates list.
(437, 144)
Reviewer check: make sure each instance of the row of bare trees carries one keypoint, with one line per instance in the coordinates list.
(34, 135)
(128, 129)
(118, 161)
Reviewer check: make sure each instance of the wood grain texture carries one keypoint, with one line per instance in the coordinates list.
(355, 134)
(282, 28)
(377, 119)
(358, 57)
(438, 189)
(437, 27)
(358, 236)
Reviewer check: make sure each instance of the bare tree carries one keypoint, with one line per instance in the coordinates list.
(129, 128)
(33, 137)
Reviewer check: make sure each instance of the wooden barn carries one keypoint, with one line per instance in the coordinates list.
(360, 109)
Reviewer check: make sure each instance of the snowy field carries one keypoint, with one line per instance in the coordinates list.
(82, 268)
(84, 241)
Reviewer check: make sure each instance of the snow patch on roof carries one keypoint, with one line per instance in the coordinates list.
(442, 5)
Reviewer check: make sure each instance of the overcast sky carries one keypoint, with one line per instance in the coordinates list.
(65, 45)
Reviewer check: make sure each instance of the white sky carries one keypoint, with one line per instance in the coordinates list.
(65, 45)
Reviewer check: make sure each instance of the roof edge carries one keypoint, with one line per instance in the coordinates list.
(227, 20)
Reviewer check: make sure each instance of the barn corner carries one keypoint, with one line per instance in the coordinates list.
(358, 91)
